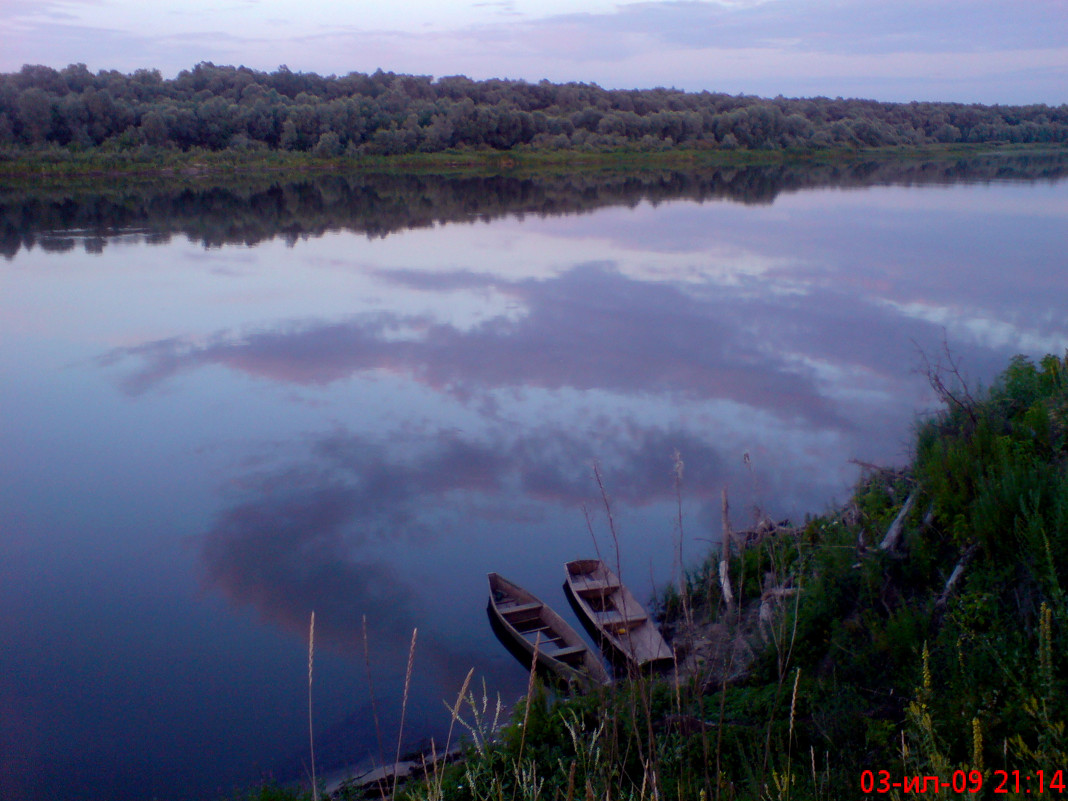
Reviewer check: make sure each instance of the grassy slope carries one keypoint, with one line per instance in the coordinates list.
(19, 166)
(872, 664)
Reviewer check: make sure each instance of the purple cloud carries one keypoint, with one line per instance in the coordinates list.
(965, 50)
(298, 536)
(590, 328)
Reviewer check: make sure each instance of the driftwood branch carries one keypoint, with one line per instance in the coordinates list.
(955, 576)
(778, 593)
(893, 534)
(952, 391)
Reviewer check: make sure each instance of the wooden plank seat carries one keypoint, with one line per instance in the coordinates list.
(572, 654)
(532, 627)
(520, 610)
(617, 620)
(595, 586)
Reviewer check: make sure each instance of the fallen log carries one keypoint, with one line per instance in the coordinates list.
(955, 576)
(893, 534)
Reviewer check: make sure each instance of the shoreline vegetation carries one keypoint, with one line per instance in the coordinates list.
(218, 119)
(913, 642)
(254, 205)
(60, 167)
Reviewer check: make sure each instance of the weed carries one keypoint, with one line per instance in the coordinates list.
(944, 654)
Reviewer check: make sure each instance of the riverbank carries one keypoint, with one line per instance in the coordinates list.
(56, 165)
(916, 636)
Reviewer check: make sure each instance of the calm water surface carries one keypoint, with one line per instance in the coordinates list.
(201, 444)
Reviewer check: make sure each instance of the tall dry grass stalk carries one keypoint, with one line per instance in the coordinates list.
(1045, 656)
(634, 674)
(530, 697)
(311, 729)
(454, 710)
(608, 513)
(404, 707)
(371, 690)
(793, 707)
(784, 638)
(435, 771)
(790, 736)
(684, 585)
(640, 681)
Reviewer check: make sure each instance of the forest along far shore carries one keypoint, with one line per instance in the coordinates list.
(70, 119)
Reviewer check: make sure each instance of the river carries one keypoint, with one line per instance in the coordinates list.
(226, 406)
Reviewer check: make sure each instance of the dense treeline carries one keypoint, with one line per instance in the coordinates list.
(256, 208)
(223, 107)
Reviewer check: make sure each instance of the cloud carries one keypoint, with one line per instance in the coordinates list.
(309, 533)
(285, 553)
(983, 50)
(855, 26)
(47, 9)
(299, 535)
(587, 329)
(58, 45)
(302, 534)
(592, 329)
(886, 50)
(504, 9)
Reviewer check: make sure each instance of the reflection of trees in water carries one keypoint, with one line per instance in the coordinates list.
(254, 210)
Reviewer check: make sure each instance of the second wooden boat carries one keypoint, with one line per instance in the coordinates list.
(523, 621)
(613, 615)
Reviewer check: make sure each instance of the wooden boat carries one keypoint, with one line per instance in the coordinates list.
(522, 620)
(612, 614)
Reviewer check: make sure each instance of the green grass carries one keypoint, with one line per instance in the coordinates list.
(61, 164)
(871, 664)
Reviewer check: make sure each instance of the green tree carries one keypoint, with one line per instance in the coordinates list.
(35, 115)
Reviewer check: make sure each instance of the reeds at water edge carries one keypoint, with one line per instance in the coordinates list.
(404, 704)
(311, 730)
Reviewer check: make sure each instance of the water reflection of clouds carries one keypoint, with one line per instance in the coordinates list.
(1033, 333)
(327, 529)
(943, 245)
(590, 328)
(796, 355)
(830, 359)
(513, 250)
(323, 528)
(318, 529)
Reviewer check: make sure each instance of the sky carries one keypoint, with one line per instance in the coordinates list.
(989, 51)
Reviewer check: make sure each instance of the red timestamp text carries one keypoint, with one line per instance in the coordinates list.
(999, 781)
